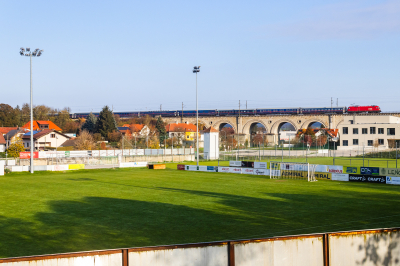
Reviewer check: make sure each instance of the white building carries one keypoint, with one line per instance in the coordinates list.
(2, 144)
(379, 132)
(44, 139)
(211, 143)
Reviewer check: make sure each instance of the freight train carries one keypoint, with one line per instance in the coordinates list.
(246, 112)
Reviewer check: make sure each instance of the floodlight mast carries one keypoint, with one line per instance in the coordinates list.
(36, 52)
(196, 69)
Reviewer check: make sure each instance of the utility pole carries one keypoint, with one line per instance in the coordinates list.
(246, 104)
(331, 102)
(182, 114)
(160, 107)
(238, 150)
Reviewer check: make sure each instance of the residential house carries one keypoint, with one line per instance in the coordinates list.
(2, 143)
(5, 130)
(137, 130)
(44, 139)
(41, 125)
(12, 135)
(182, 131)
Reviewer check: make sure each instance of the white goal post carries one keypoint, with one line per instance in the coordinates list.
(292, 170)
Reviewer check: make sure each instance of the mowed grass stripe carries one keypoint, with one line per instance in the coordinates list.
(50, 212)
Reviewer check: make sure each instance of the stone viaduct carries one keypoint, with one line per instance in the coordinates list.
(272, 123)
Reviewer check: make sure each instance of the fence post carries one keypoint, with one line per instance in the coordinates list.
(231, 254)
(326, 249)
(125, 257)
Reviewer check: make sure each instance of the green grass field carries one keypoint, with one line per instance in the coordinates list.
(50, 212)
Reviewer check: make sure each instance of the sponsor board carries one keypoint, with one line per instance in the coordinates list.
(27, 155)
(76, 166)
(327, 176)
(223, 169)
(340, 177)
(235, 163)
(294, 167)
(247, 164)
(60, 167)
(367, 178)
(393, 180)
(191, 167)
(260, 165)
(261, 171)
(321, 168)
(235, 170)
(336, 169)
(180, 167)
(351, 170)
(211, 168)
(202, 168)
(10, 162)
(390, 171)
(369, 170)
(248, 171)
(1, 169)
(294, 174)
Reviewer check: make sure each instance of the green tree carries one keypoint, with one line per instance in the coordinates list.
(90, 123)
(62, 118)
(7, 116)
(162, 132)
(15, 148)
(106, 122)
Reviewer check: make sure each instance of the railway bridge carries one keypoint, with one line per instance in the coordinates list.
(272, 123)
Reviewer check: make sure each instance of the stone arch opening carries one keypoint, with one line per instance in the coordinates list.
(286, 131)
(316, 125)
(257, 133)
(225, 125)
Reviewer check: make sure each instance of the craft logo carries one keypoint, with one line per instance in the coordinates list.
(357, 178)
(376, 179)
(351, 170)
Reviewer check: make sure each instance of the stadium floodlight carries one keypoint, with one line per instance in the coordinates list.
(35, 53)
(196, 70)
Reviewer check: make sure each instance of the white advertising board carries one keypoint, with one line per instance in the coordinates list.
(321, 168)
(223, 169)
(335, 169)
(60, 167)
(340, 177)
(235, 163)
(3, 162)
(203, 168)
(260, 165)
(393, 180)
(235, 170)
(248, 171)
(1, 169)
(10, 162)
(261, 171)
(294, 167)
(191, 167)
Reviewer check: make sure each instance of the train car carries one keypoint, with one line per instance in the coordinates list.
(323, 110)
(364, 109)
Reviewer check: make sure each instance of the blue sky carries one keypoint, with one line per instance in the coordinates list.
(136, 55)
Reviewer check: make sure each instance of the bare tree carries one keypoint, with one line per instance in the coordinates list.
(85, 141)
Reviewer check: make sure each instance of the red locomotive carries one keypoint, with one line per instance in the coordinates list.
(364, 109)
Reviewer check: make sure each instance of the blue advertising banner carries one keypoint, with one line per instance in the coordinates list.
(369, 170)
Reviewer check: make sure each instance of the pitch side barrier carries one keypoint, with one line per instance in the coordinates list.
(363, 247)
(377, 175)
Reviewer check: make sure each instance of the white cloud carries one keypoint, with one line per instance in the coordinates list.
(344, 21)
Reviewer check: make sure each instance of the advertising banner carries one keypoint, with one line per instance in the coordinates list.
(275, 172)
(340, 177)
(76, 166)
(211, 168)
(326, 176)
(247, 164)
(351, 170)
(260, 165)
(191, 167)
(27, 155)
(294, 174)
(261, 172)
(390, 171)
(181, 167)
(248, 171)
(202, 168)
(235, 170)
(294, 167)
(336, 169)
(223, 169)
(367, 178)
(369, 170)
(393, 180)
(235, 163)
(60, 167)
(321, 168)
(1, 169)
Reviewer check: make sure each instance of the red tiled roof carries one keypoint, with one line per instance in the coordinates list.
(43, 133)
(136, 127)
(210, 129)
(178, 127)
(5, 130)
(2, 140)
(36, 125)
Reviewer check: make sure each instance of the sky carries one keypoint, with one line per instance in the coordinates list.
(139, 55)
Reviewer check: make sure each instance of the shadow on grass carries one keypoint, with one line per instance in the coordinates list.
(105, 223)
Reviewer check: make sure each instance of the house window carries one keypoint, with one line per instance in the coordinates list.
(345, 143)
(365, 130)
(372, 130)
(381, 141)
(355, 130)
(370, 142)
(27, 144)
(345, 130)
(351, 122)
(355, 141)
(391, 132)
(52, 136)
(381, 131)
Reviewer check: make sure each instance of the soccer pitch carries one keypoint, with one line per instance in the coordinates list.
(53, 212)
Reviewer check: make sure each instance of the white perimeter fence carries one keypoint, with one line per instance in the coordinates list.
(368, 248)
